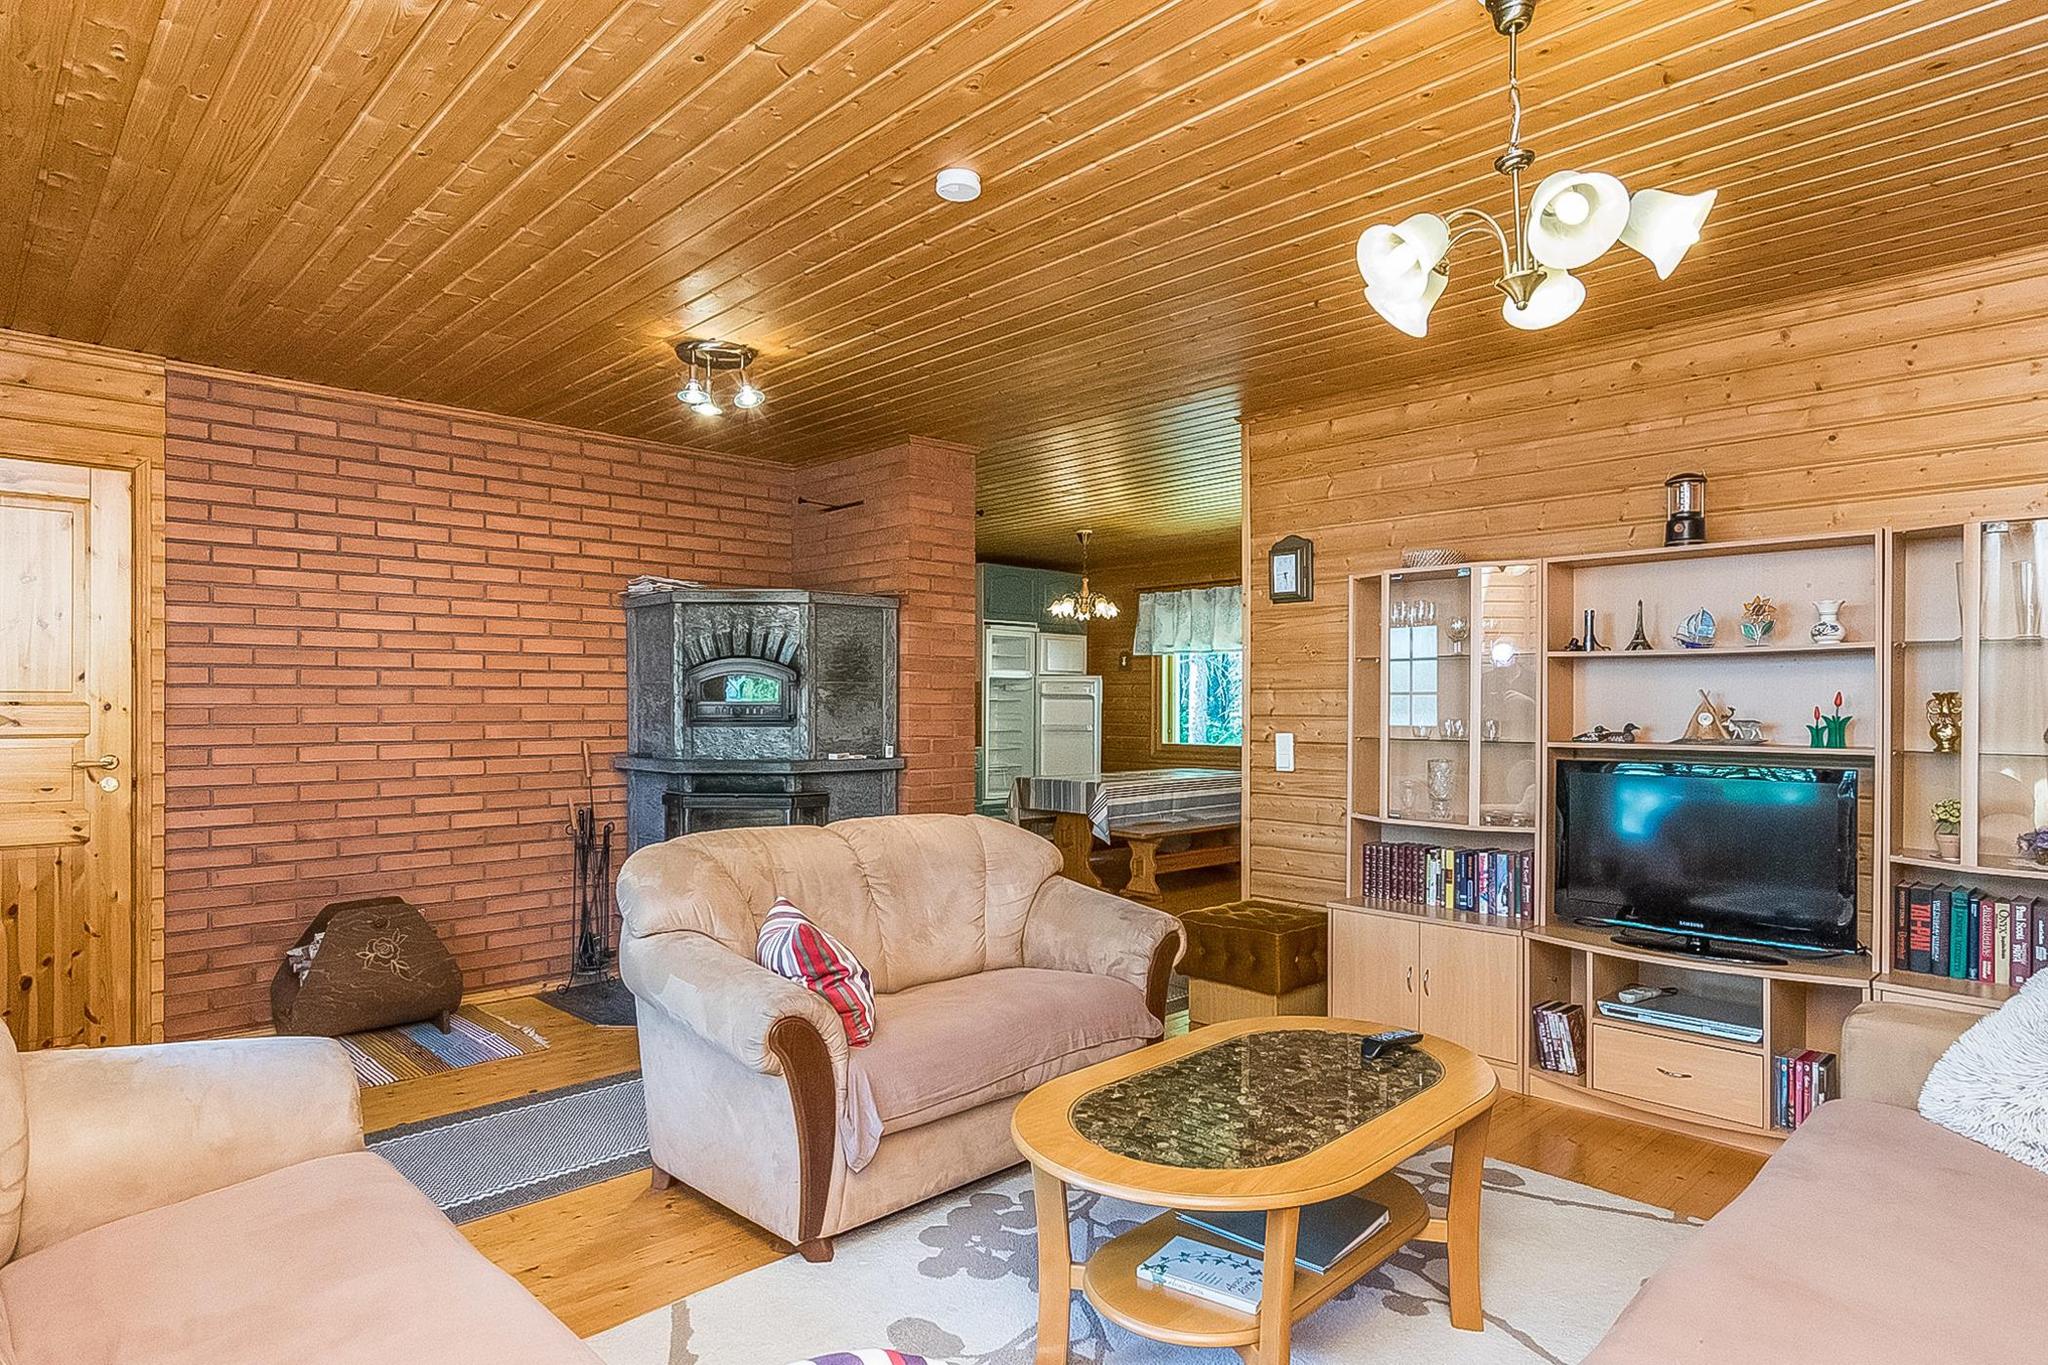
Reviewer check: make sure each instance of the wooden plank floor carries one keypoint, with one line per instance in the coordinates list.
(599, 1256)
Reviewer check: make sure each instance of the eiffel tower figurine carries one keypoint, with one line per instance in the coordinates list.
(1642, 638)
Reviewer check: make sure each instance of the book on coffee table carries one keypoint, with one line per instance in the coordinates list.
(1207, 1272)
(1329, 1231)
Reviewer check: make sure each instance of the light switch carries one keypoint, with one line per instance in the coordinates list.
(1283, 751)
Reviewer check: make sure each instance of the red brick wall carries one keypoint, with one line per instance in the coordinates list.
(912, 534)
(391, 629)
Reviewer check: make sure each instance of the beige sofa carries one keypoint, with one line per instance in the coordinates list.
(992, 975)
(1872, 1237)
(211, 1204)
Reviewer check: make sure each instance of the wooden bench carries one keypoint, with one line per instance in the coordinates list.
(1174, 845)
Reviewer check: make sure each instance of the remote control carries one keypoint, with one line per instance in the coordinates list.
(1374, 1044)
(1636, 995)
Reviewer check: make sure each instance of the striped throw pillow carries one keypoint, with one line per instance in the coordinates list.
(790, 945)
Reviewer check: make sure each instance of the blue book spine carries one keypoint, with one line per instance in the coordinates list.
(1971, 960)
(1960, 943)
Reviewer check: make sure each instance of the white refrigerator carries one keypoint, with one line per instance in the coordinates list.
(1041, 710)
(1069, 727)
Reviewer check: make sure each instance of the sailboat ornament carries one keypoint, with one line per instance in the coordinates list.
(1698, 630)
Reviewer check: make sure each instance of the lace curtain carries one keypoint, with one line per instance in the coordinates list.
(1189, 621)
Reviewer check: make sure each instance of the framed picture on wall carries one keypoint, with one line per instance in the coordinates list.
(1291, 570)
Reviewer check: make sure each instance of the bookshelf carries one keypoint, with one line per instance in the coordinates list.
(1966, 614)
(1949, 608)
(1444, 723)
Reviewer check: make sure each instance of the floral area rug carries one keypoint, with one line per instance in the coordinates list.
(955, 1280)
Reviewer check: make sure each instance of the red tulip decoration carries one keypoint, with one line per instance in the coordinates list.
(1830, 731)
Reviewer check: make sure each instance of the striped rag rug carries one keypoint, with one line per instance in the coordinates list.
(474, 1035)
(501, 1156)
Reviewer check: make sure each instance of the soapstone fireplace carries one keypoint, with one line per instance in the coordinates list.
(757, 706)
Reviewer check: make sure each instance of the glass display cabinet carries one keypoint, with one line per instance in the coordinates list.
(1926, 722)
(2011, 815)
(1446, 740)
(1968, 759)
(1429, 702)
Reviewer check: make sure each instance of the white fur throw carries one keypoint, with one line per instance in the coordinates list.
(1992, 1084)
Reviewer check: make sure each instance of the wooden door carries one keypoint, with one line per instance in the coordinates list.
(1471, 990)
(73, 954)
(1373, 969)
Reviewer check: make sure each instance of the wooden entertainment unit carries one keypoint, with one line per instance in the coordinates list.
(1934, 610)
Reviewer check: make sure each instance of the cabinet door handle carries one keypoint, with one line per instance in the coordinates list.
(1425, 981)
(1675, 1075)
(1411, 981)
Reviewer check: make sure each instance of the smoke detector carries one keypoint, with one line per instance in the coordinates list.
(958, 185)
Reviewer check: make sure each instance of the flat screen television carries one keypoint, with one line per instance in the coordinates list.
(1710, 853)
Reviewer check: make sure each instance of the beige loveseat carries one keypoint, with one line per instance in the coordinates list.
(1873, 1237)
(992, 975)
(211, 1204)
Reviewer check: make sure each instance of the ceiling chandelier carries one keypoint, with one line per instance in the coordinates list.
(1573, 218)
(708, 359)
(1083, 605)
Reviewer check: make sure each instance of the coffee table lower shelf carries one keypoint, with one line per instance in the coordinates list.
(1111, 1282)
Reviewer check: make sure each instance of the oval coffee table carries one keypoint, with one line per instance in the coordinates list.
(1270, 1114)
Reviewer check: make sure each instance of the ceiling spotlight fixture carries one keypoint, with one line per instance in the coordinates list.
(958, 185)
(1083, 605)
(1573, 218)
(707, 359)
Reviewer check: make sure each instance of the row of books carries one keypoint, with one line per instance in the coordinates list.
(1560, 1037)
(1485, 881)
(1800, 1081)
(1969, 934)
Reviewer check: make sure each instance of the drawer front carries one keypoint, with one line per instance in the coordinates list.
(1697, 1077)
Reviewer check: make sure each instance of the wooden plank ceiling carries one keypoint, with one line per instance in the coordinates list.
(514, 206)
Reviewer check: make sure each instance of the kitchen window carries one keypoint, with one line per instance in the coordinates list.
(1201, 698)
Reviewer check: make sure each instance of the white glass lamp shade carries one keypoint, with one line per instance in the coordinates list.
(1410, 315)
(1664, 226)
(1574, 216)
(693, 393)
(748, 397)
(1556, 299)
(1400, 261)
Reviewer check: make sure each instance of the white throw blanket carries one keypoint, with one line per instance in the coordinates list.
(1992, 1084)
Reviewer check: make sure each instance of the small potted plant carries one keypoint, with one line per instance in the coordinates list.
(1948, 829)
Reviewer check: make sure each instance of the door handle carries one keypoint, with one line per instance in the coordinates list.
(1411, 981)
(1425, 981)
(1675, 1075)
(107, 761)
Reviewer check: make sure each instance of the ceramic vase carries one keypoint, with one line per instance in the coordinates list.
(1828, 629)
(1948, 847)
(1945, 722)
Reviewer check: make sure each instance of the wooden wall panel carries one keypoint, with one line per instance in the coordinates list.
(516, 207)
(1128, 711)
(85, 405)
(1919, 401)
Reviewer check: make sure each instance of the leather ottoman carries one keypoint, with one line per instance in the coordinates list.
(1254, 959)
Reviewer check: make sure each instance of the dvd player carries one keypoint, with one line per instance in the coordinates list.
(1687, 1013)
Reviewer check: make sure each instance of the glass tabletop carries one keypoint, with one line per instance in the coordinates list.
(1255, 1100)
